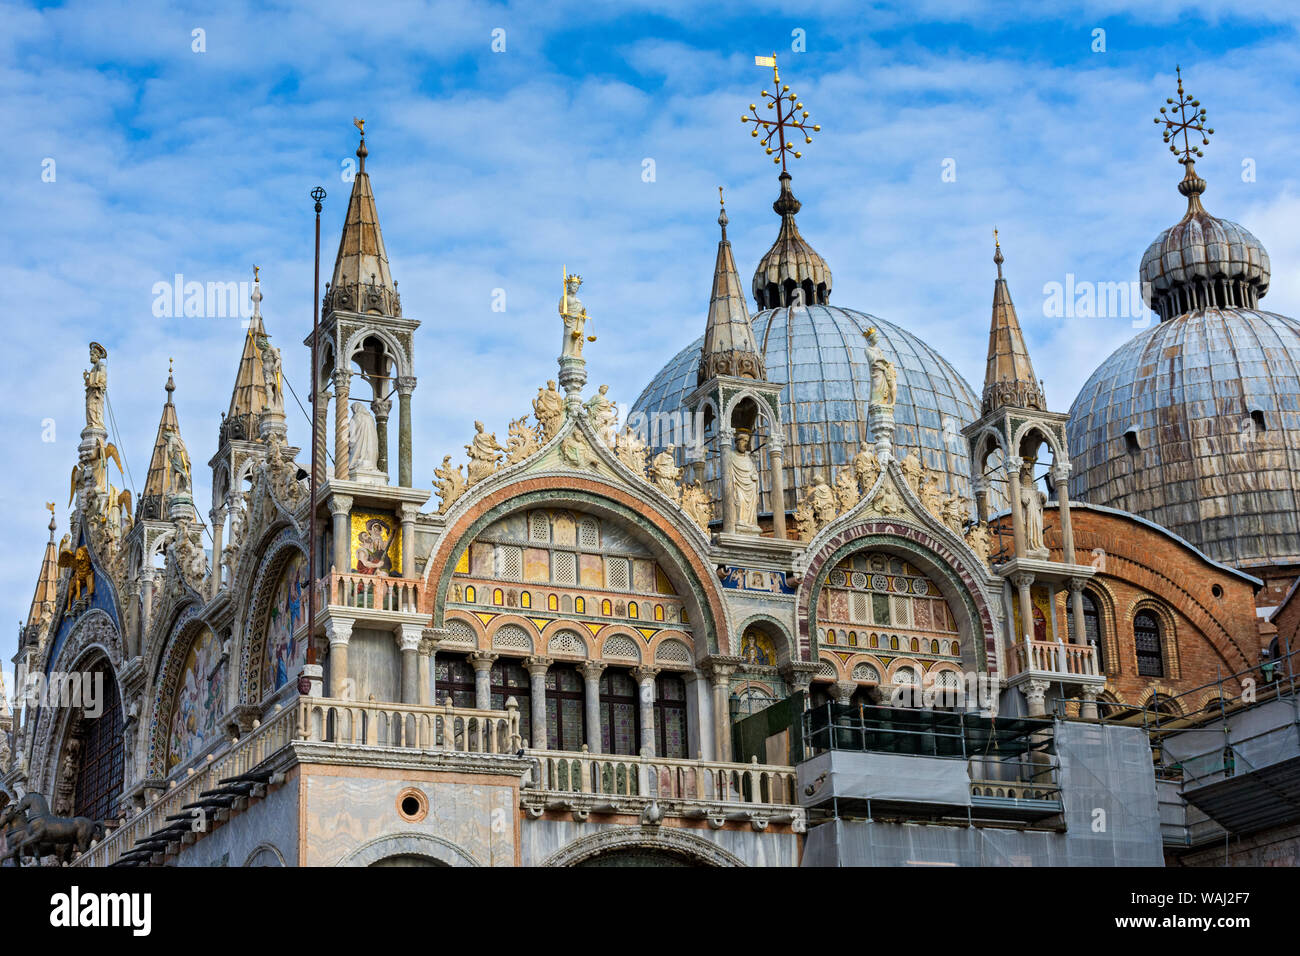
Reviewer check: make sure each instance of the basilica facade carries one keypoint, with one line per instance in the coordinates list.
(666, 640)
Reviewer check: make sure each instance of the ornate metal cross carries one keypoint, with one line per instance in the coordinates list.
(1180, 120)
(790, 115)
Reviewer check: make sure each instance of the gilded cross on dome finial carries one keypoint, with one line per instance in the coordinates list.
(1184, 115)
(790, 115)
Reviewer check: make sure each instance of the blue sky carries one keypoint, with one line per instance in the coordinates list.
(491, 169)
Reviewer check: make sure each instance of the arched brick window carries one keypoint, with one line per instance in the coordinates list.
(1147, 643)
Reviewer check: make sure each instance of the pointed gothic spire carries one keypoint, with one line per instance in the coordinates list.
(729, 346)
(791, 264)
(1009, 377)
(248, 400)
(169, 467)
(47, 582)
(362, 282)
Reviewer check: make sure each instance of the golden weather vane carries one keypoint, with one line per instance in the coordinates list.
(790, 115)
(1180, 120)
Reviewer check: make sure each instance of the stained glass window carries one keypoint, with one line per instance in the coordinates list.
(670, 716)
(510, 679)
(620, 725)
(455, 676)
(99, 774)
(565, 717)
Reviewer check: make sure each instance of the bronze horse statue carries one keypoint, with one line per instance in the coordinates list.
(29, 829)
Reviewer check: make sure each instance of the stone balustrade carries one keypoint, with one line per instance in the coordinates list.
(415, 726)
(369, 591)
(1054, 657)
(241, 757)
(582, 783)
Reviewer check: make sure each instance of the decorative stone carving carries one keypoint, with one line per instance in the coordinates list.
(884, 377)
(912, 468)
(977, 537)
(887, 503)
(631, 452)
(271, 374)
(955, 512)
(696, 504)
(574, 315)
(1032, 501)
(96, 378)
(484, 454)
(548, 407)
(449, 484)
(363, 442)
(846, 489)
(522, 442)
(825, 507)
(664, 473)
(931, 496)
(866, 468)
(744, 484)
(603, 415)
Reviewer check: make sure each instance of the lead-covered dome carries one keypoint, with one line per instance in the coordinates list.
(818, 353)
(1202, 261)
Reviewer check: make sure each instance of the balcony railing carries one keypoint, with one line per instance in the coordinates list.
(372, 592)
(243, 756)
(414, 726)
(665, 778)
(1055, 657)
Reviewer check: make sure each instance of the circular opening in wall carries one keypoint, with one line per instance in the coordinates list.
(412, 805)
(1217, 591)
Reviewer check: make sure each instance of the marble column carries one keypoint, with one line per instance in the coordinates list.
(340, 507)
(218, 518)
(405, 386)
(645, 679)
(322, 452)
(381, 408)
(1088, 706)
(339, 633)
(537, 668)
(591, 672)
(425, 652)
(434, 637)
(725, 438)
(482, 662)
(407, 514)
(776, 455)
(1023, 582)
(342, 386)
(408, 638)
(1035, 694)
(1014, 465)
(720, 676)
(843, 691)
(980, 484)
(1078, 630)
(1061, 479)
(146, 603)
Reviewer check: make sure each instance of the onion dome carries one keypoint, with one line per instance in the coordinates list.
(1202, 261)
(791, 263)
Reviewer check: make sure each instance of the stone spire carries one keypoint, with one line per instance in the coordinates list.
(729, 346)
(169, 480)
(47, 586)
(362, 282)
(791, 264)
(248, 400)
(1009, 376)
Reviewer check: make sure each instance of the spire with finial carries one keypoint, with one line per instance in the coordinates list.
(47, 586)
(729, 345)
(791, 273)
(169, 474)
(1202, 261)
(362, 281)
(1009, 379)
(248, 400)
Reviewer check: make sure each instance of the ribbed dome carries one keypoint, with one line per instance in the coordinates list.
(1202, 261)
(1195, 425)
(821, 350)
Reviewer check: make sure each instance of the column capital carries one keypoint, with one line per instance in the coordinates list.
(1035, 690)
(844, 690)
(409, 636)
(381, 407)
(339, 504)
(1013, 464)
(407, 511)
(799, 674)
(338, 630)
(431, 639)
(1061, 472)
(482, 661)
(592, 670)
(720, 667)
(405, 384)
(643, 674)
(1022, 579)
(342, 379)
(537, 665)
(1076, 584)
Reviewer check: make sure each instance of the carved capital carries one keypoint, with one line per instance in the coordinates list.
(1035, 690)
(482, 661)
(1061, 472)
(340, 504)
(643, 674)
(381, 407)
(1022, 579)
(537, 665)
(408, 637)
(1077, 584)
(405, 384)
(591, 670)
(720, 667)
(342, 379)
(338, 630)
(1013, 464)
(799, 674)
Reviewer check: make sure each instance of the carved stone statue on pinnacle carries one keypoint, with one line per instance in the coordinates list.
(574, 315)
(96, 378)
(744, 484)
(548, 406)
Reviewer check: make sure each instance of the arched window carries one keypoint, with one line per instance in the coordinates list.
(566, 726)
(510, 679)
(659, 612)
(670, 716)
(455, 678)
(470, 595)
(580, 605)
(632, 610)
(620, 713)
(1092, 628)
(498, 598)
(525, 600)
(1146, 641)
(552, 602)
(100, 772)
(606, 608)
